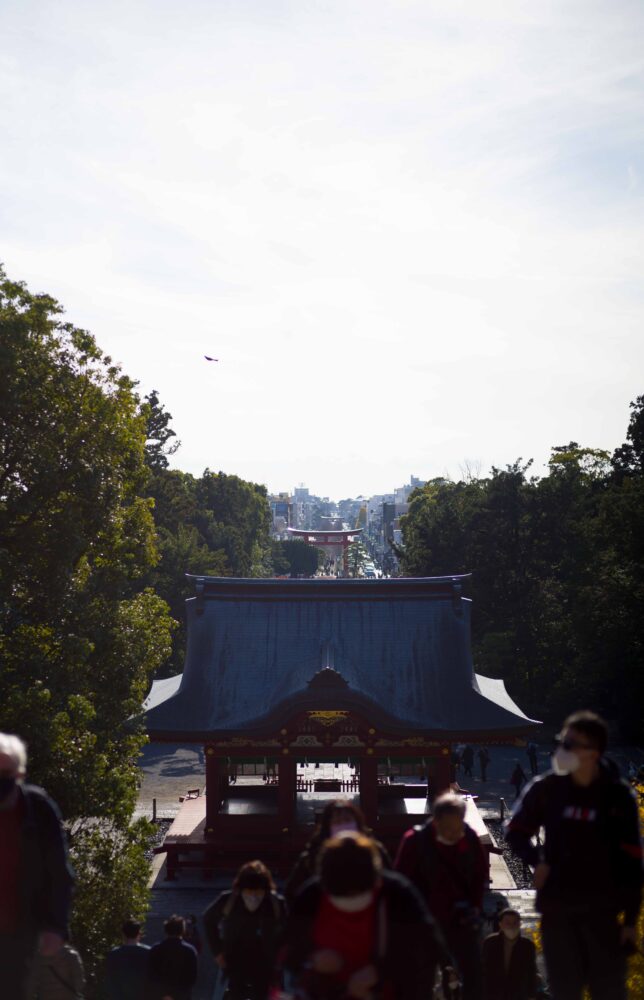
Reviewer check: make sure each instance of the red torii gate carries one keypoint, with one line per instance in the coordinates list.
(330, 538)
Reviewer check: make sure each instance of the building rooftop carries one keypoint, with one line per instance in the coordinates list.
(398, 648)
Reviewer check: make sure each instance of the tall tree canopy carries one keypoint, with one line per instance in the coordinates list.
(558, 573)
(80, 634)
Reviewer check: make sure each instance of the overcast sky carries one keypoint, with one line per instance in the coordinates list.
(411, 231)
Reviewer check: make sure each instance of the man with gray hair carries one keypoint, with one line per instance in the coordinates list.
(35, 877)
(446, 862)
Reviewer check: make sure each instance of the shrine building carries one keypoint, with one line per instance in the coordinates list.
(284, 675)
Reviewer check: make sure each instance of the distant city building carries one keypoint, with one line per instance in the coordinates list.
(282, 513)
(379, 517)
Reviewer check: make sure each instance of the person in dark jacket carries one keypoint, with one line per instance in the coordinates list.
(484, 760)
(338, 816)
(589, 869)
(35, 877)
(243, 928)
(468, 761)
(532, 751)
(509, 961)
(126, 966)
(518, 779)
(172, 964)
(359, 931)
(446, 862)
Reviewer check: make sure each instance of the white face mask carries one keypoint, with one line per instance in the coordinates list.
(352, 904)
(343, 826)
(449, 843)
(511, 933)
(252, 900)
(565, 761)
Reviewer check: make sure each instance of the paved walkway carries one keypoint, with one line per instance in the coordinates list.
(169, 770)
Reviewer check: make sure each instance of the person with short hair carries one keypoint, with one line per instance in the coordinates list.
(58, 977)
(172, 964)
(518, 778)
(467, 759)
(243, 928)
(339, 816)
(35, 876)
(484, 761)
(445, 860)
(126, 966)
(588, 871)
(509, 961)
(531, 751)
(357, 930)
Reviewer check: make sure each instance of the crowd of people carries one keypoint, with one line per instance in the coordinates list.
(352, 923)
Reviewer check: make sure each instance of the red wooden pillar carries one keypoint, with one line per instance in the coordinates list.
(215, 771)
(443, 770)
(369, 789)
(286, 792)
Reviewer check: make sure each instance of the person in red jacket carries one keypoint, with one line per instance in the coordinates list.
(358, 932)
(446, 861)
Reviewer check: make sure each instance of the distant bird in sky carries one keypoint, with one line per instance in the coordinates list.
(210, 359)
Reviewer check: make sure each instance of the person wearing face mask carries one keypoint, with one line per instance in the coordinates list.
(588, 871)
(243, 928)
(339, 816)
(35, 877)
(445, 860)
(357, 930)
(509, 961)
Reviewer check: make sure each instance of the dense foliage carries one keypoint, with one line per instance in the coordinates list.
(295, 558)
(80, 633)
(557, 573)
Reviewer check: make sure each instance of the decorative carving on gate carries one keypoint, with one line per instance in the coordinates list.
(347, 740)
(306, 740)
(328, 718)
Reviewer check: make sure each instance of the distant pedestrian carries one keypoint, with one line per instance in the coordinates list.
(446, 862)
(35, 877)
(359, 931)
(337, 817)
(244, 928)
(518, 778)
(484, 760)
(509, 961)
(531, 751)
(468, 761)
(172, 964)
(58, 977)
(192, 935)
(588, 871)
(126, 966)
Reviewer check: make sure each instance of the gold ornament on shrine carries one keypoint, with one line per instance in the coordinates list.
(330, 718)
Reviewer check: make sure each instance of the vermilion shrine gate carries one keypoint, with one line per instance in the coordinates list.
(333, 539)
(377, 674)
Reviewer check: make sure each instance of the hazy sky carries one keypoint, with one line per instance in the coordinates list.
(411, 231)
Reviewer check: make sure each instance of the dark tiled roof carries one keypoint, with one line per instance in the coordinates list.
(402, 645)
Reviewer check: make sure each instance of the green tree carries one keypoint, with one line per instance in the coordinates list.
(297, 558)
(159, 434)
(80, 635)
